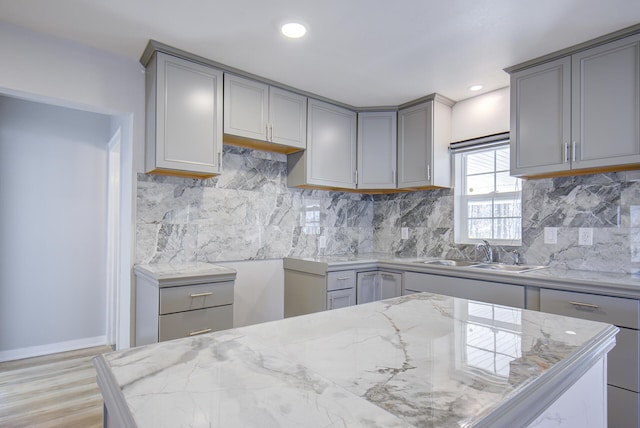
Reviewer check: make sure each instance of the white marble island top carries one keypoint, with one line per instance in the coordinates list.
(420, 360)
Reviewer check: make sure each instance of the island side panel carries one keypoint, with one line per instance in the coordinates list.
(304, 293)
(583, 405)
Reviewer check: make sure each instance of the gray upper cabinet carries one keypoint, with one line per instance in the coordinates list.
(541, 118)
(330, 158)
(578, 113)
(256, 111)
(424, 135)
(606, 105)
(377, 148)
(184, 117)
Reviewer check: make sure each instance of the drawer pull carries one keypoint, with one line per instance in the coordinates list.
(195, 333)
(201, 294)
(585, 305)
(343, 278)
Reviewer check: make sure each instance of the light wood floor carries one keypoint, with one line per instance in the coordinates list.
(56, 390)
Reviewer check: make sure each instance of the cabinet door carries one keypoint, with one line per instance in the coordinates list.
(377, 151)
(623, 407)
(341, 298)
(246, 104)
(187, 135)
(390, 285)
(541, 119)
(414, 145)
(368, 289)
(606, 104)
(287, 118)
(331, 145)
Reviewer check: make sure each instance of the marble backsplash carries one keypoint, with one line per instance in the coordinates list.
(248, 213)
(608, 203)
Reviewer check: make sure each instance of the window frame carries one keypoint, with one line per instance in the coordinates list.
(461, 199)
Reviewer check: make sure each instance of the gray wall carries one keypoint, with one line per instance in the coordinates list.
(249, 213)
(53, 188)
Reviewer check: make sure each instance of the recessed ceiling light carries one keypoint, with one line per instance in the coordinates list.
(475, 88)
(294, 30)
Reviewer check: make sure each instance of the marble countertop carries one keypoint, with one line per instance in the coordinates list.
(171, 274)
(420, 360)
(608, 283)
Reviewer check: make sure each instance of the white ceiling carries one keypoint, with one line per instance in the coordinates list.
(359, 52)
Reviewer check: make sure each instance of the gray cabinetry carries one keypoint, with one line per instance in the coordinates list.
(541, 119)
(484, 291)
(424, 132)
(341, 298)
(308, 292)
(577, 113)
(377, 285)
(173, 303)
(341, 289)
(623, 363)
(257, 111)
(330, 158)
(606, 105)
(184, 117)
(377, 149)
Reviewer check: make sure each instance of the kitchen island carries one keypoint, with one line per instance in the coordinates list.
(420, 360)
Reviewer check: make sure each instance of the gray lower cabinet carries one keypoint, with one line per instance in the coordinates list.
(341, 298)
(472, 289)
(378, 285)
(307, 292)
(184, 132)
(330, 158)
(580, 112)
(173, 306)
(623, 362)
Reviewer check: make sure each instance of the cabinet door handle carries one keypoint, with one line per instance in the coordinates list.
(565, 158)
(203, 331)
(266, 131)
(573, 151)
(428, 172)
(200, 294)
(343, 278)
(271, 132)
(585, 305)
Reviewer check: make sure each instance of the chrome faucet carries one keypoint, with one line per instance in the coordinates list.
(487, 249)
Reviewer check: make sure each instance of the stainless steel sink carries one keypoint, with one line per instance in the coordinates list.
(447, 262)
(482, 265)
(507, 268)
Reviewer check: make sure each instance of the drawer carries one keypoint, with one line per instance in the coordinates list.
(622, 408)
(612, 310)
(191, 323)
(198, 296)
(341, 279)
(623, 361)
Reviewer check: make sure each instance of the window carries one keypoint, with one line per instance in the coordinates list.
(488, 203)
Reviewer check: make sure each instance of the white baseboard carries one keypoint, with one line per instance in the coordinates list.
(52, 348)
